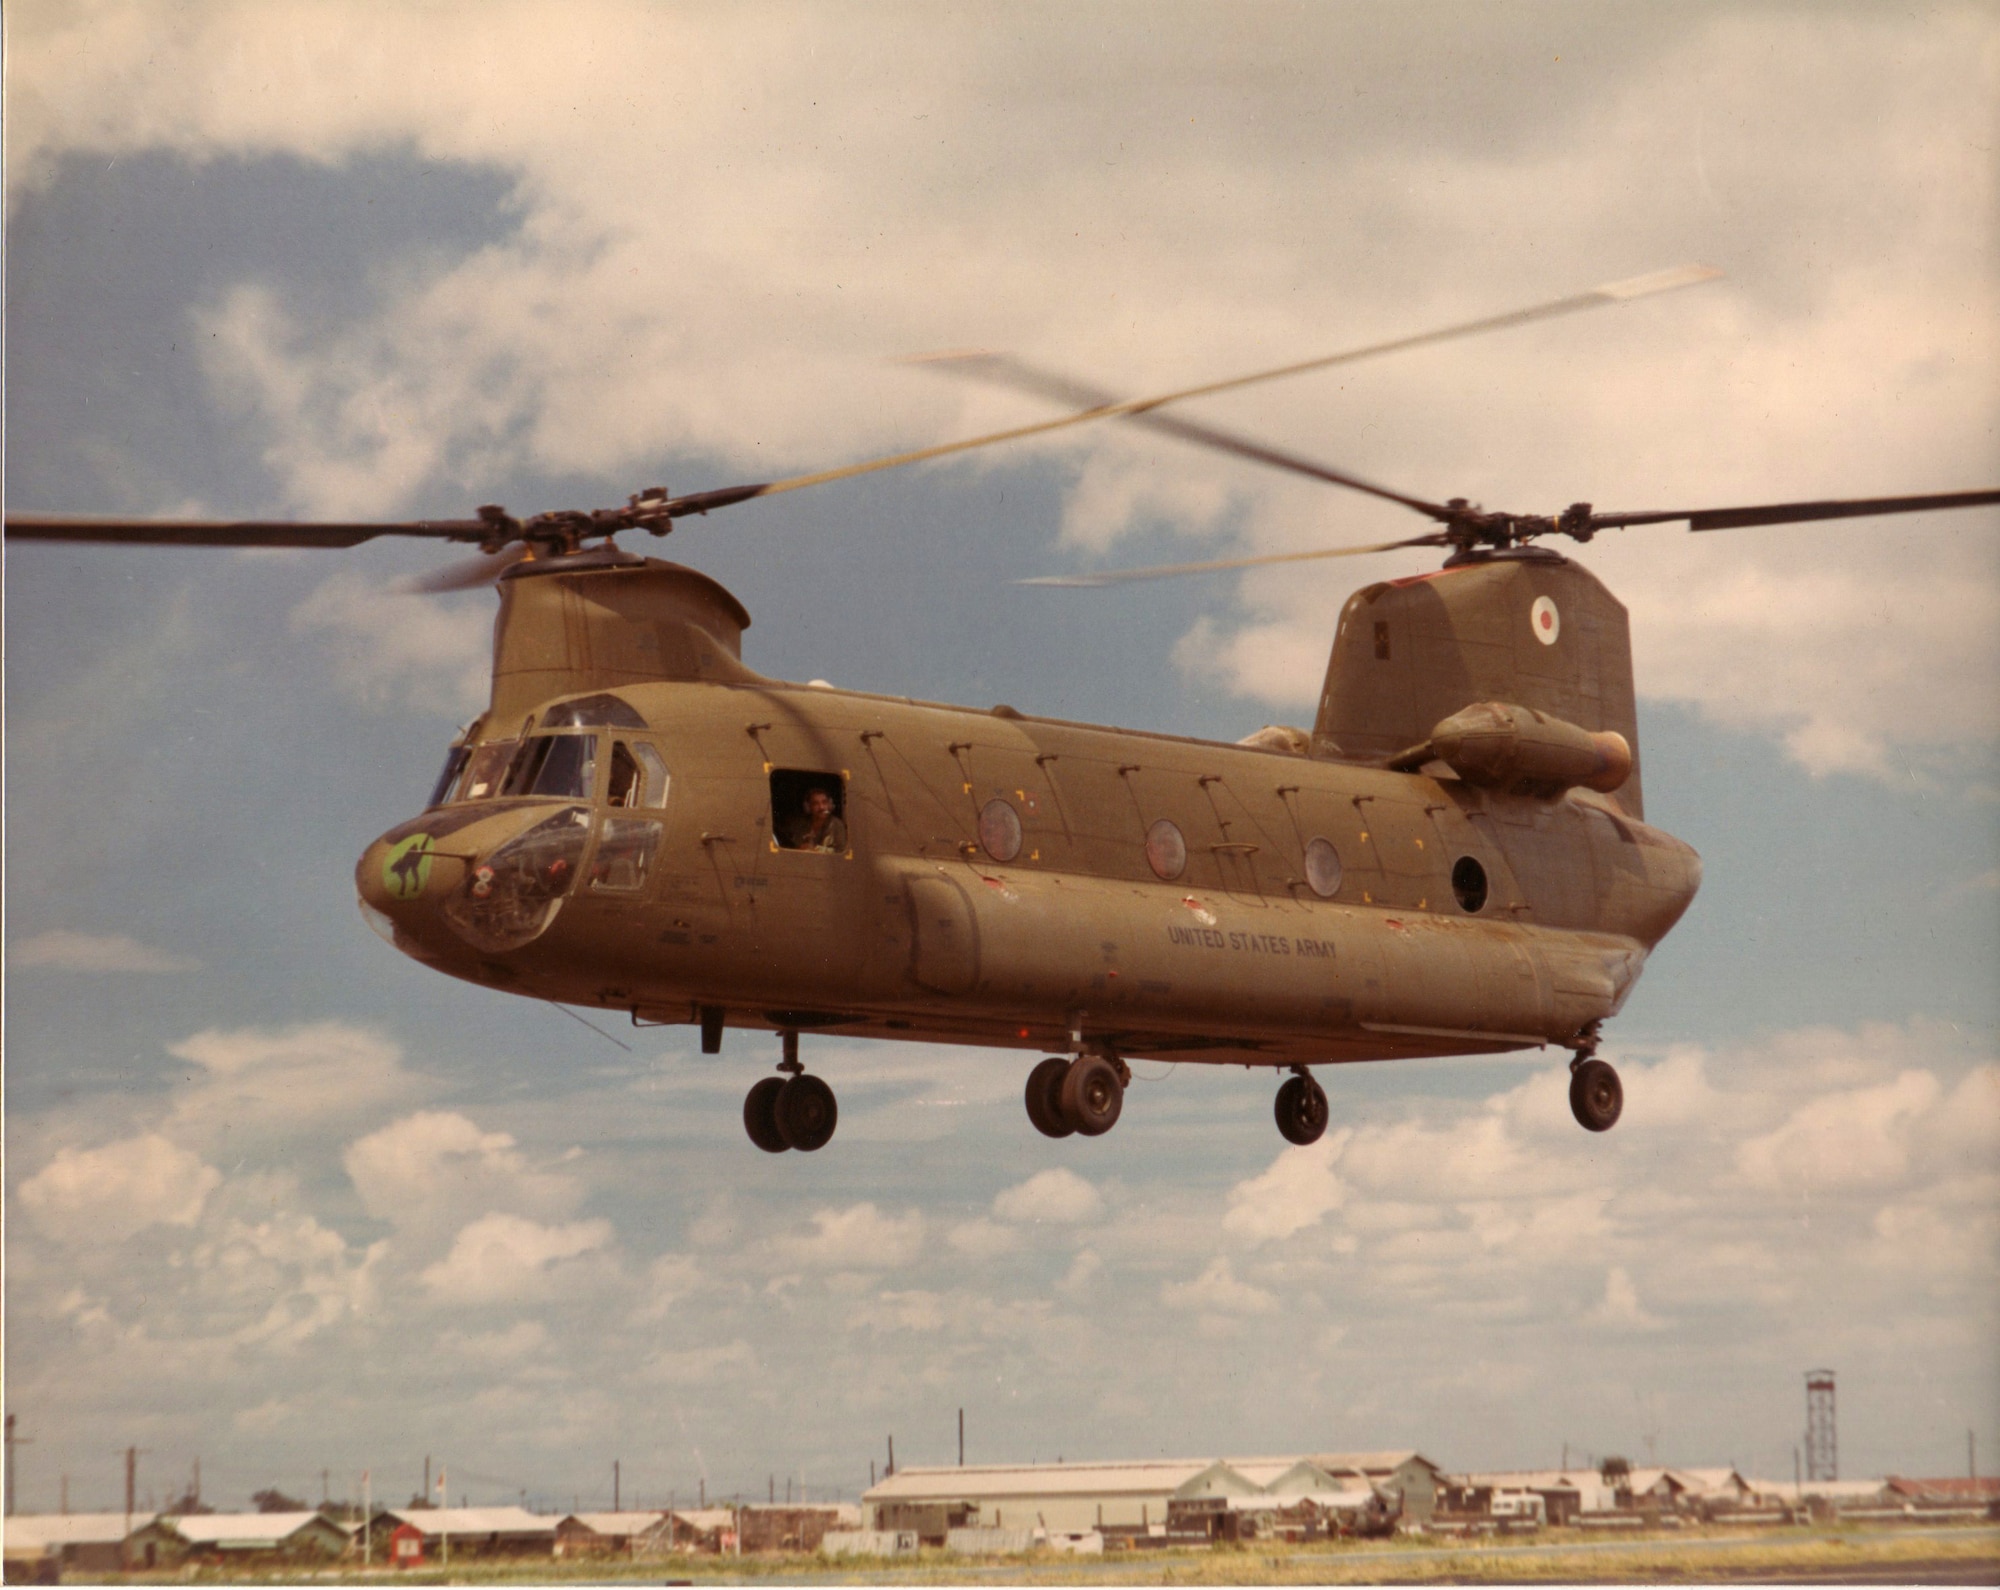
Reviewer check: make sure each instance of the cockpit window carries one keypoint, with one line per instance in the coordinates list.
(484, 770)
(553, 764)
(598, 711)
(454, 764)
(638, 776)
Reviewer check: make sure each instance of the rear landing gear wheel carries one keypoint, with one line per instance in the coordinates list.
(760, 1115)
(806, 1112)
(1301, 1110)
(1045, 1097)
(1595, 1095)
(1092, 1095)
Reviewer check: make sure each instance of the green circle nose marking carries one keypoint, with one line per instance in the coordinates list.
(408, 867)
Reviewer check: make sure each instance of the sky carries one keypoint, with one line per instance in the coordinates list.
(282, 1201)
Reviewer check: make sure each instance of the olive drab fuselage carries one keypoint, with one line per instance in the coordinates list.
(622, 829)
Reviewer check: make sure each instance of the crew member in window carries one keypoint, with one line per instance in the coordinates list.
(820, 828)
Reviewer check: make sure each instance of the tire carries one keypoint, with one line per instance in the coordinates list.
(1092, 1095)
(1045, 1097)
(760, 1115)
(806, 1113)
(1301, 1110)
(1596, 1097)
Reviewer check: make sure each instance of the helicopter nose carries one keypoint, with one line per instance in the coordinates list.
(391, 879)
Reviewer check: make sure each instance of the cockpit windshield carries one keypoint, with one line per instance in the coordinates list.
(553, 764)
(559, 766)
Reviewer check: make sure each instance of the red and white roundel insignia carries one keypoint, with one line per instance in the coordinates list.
(1545, 621)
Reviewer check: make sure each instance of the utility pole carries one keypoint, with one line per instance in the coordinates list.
(131, 1483)
(13, 1441)
(961, 1438)
(892, 1454)
(615, 1492)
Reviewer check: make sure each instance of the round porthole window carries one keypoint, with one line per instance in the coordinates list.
(1000, 830)
(1166, 850)
(1468, 883)
(1323, 868)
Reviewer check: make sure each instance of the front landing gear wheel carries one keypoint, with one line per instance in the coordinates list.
(1045, 1097)
(806, 1112)
(1092, 1095)
(760, 1115)
(1595, 1096)
(1301, 1110)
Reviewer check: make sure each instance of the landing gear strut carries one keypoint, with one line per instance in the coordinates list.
(1301, 1108)
(1596, 1096)
(1083, 1095)
(792, 1111)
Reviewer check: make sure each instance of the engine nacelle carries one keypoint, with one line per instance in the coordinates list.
(1524, 752)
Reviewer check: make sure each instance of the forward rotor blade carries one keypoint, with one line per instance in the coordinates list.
(467, 574)
(1168, 571)
(231, 532)
(1797, 512)
(1005, 369)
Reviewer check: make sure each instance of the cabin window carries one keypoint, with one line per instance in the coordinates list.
(638, 776)
(553, 764)
(1323, 868)
(625, 853)
(1000, 830)
(1166, 850)
(808, 810)
(1468, 883)
(486, 767)
(454, 764)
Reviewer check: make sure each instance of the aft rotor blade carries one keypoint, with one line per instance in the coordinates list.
(1611, 293)
(1596, 298)
(1797, 512)
(1168, 571)
(231, 532)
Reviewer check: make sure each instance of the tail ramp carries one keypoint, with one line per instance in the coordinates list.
(1529, 628)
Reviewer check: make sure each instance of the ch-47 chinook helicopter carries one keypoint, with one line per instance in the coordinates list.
(1454, 860)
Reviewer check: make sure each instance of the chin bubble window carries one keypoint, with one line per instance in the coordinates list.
(808, 811)
(625, 854)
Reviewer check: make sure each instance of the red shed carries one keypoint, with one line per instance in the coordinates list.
(406, 1546)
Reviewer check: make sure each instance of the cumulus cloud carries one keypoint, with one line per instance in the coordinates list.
(253, 1085)
(68, 951)
(101, 1195)
(1057, 1197)
(393, 647)
(1300, 1189)
(1856, 1138)
(502, 1258)
(1217, 1291)
(427, 1172)
(609, 328)
(860, 1237)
